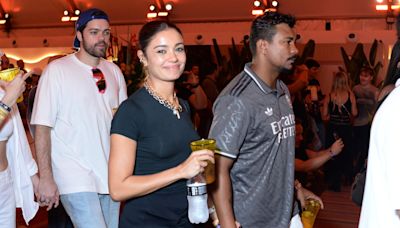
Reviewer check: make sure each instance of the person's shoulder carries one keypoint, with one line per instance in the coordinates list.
(110, 65)
(134, 103)
(238, 85)
(61, 62)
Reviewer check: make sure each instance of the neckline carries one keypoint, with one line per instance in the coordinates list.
(176, 109)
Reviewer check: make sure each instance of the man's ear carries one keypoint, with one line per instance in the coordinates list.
(262, 46)
(79, 36)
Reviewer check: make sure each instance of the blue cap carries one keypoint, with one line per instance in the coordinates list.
(85, 17)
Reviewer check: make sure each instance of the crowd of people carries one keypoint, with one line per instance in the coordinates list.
(96, 147)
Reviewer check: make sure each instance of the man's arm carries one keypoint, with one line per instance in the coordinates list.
(221, 191)
(47, 193)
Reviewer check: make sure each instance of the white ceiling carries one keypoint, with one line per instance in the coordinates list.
(47, 13)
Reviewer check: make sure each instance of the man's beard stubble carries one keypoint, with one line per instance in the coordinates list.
(91, 50)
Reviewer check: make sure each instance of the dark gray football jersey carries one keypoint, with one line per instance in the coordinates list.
(255, 125)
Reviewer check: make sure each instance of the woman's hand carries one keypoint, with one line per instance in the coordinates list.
(14, 88)
(196, 163)
(304, 194)
(337, 147)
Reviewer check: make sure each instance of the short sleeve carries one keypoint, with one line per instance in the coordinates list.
(230, 124)
(125, 120)
(122, 95)
(47, 98)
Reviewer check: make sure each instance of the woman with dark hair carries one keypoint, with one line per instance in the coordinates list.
(339, 109)
(150, 157)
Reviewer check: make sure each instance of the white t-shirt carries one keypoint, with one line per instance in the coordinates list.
(382, 189)
(68, 101)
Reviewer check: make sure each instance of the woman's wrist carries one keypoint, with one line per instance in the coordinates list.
(297, 185)
(331, 153)
(5, 106)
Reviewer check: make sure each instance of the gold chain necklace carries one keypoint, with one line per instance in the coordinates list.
(176, 109)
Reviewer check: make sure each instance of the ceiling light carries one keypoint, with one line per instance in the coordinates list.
(275, 3)
(162, 14)
(155, 11)
(168, 6)
(257, 12)
(70, 16)
(257, 3)
(151, 15)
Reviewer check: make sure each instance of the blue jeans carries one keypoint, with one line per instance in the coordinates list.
(91, 210)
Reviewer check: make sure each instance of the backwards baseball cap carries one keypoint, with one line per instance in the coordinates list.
(84, 18)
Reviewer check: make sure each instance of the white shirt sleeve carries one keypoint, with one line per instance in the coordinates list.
(47, 97)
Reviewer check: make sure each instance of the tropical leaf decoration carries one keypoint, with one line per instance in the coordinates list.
(218, 54)
(308, 52)
(358, 59)
(245, 54)
(235, 58)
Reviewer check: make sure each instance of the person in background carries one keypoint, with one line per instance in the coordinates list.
(365, 94)
(188, 88)
(314, 101)
(339, 109)
(308, 160)
(195, 70)
(151, 159)
(210, 87)
(5, 62)
(75, 101)
(21, 65)
(36, 72)
(254, 127)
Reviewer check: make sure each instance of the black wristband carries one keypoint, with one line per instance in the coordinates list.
(5, 107)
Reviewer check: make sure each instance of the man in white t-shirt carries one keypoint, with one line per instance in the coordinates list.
(381, 202)
(75, 101)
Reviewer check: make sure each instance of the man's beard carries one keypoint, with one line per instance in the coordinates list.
(93, 51)
(286, 71)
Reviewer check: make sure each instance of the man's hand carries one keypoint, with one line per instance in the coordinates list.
(304, 194)
(47, 194)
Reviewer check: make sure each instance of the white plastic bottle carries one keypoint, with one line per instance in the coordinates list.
(197, 199)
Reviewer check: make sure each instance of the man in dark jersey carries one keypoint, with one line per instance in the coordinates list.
(254, 127)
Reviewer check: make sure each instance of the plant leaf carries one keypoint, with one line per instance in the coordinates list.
(346, 59)
(372, 52)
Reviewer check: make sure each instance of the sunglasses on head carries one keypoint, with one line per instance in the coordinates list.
(100, 80)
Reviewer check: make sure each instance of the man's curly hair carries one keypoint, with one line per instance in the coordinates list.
(264, 27)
